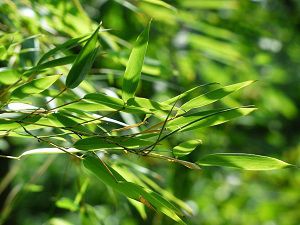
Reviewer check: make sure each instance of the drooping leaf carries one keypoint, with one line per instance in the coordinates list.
(213, 96)
(35, 86)
(134, 65)
(113, 179)
(243, 161)
(83, 61)
(185, 148)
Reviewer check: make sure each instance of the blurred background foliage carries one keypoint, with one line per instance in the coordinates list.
(192, 42)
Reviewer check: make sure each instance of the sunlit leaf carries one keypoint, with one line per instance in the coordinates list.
(161, 3)
(185, 148)
(34, 87)
(207, 118)
(94, 143)
(174, 99)
(213, 96)
(66, 203)
(9, 76)
(134, 65)
(112, 103)
(51, 64)
(113, 179)
(243, 161)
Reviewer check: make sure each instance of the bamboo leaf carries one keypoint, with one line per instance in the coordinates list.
(161, 3)
(35, 86)
(243, 161)
(213, 96)
(106, 102)
(185, 148)
(207, 118)
(113, 179)
(150, 104)
(182, 95)
(83, 61)
(94, 143)
(9, 76)
(66, 45)
(134, 65)
(51, 64)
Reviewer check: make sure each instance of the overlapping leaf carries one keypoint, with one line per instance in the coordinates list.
(35, 86)
(83, 61)
(213, 96)
(144, 195)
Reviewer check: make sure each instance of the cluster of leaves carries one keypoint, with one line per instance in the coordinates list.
(77, 123)
(68, 114)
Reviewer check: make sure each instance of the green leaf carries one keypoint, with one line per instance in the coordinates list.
(134, 65)
(149, 104)
(161, 3)
(3, 53)
(213, 96)
(185, 148)
(9, 76)
(113, 179)
(113, 103)
(64, 121)
(243, 161)
(182, 95)
(207, 118)
(34, 87)
(83, 61)
(68, 44)
(111, 142)
(51, 64)
(66, 203)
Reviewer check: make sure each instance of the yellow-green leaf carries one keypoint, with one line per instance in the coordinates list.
(34, 87)
(213, 96)
(243, 161)
(134, 65)
(185, 148)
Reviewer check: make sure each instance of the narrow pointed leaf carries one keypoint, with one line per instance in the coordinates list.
(34, 87)
(213, 96)
(207, 118)
(243, 161)
(94, 143)
(182, 95)
(185, 148)
(113, 179)
(83, 61)
(51, 64)
(66, 45)
(107, 103)
(150, 104)
(134, 65)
